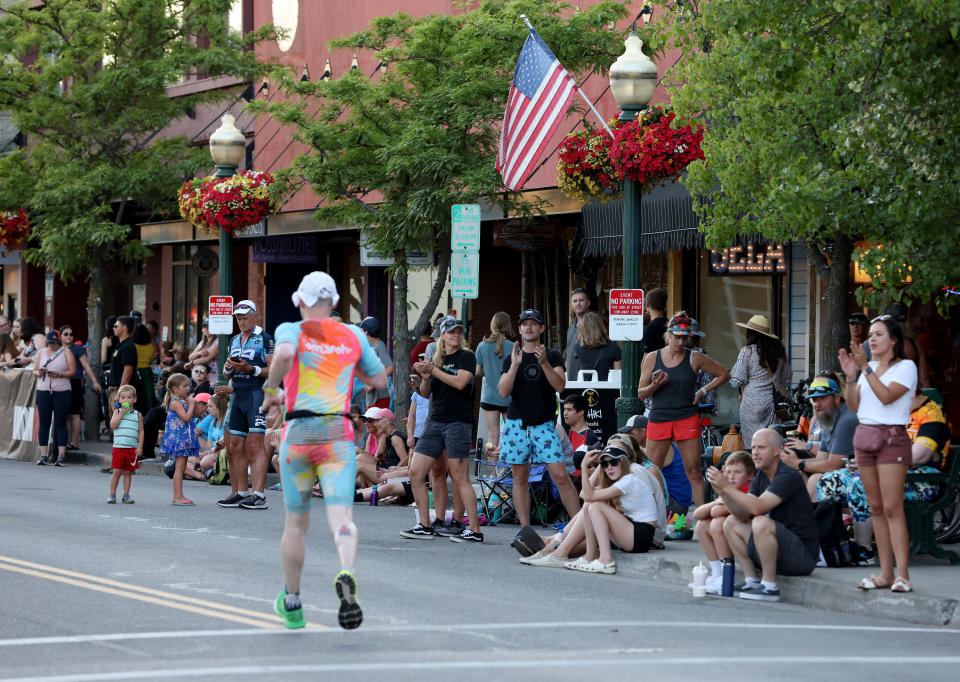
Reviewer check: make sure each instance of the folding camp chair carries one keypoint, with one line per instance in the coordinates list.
(496, 492)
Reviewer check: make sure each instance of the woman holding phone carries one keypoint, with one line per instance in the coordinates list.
(669, 376)
(882, 398)
(53, 368)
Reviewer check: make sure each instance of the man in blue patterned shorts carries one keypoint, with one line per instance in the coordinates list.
(533, 375)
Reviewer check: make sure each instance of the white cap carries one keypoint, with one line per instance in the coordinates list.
(245, 306)
(315, 286)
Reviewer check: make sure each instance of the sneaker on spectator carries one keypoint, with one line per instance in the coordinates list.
(126, 499)
(528, 559)
(232, 502)
(419, 532)
(454, 528)
(760, 593)
(467, 535)
(111, 499)
(254, 501)
(740, 587)
(714, 584)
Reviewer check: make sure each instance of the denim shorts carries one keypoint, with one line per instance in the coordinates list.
(454, 437)
(537, 444)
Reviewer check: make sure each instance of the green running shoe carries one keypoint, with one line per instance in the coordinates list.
(351, 615)
(293, 619)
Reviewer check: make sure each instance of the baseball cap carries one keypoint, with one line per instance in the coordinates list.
(436, 328)
(637, 421)
(695, 328)
(372, 413)
(614, 451)
(531, 314)
(898, 310)
(822, 386)
(857, 318)
(315, 286)
(449, 323)
(53, 337)
(244, 307)
(387, 414)
(371, 325)
(202, 397)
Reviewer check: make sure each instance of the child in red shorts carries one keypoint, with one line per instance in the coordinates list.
(127, 427)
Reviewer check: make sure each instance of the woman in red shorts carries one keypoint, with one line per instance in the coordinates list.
(669, 376)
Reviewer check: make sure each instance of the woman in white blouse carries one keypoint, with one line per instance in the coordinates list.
(881, 398)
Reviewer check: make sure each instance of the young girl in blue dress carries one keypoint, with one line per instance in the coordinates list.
(179, 438)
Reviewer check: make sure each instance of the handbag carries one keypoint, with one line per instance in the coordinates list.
(869, 438)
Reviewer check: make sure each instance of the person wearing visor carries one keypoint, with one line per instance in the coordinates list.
(859, 324)
(837, 425)
(620, 507)
(669, 376)
(531, 376)
(315, 358)
(247, 367)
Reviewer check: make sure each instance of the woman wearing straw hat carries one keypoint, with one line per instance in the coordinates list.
(762, 363)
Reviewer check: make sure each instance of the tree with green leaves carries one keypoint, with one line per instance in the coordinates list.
(392, 151)
(86, 83)
(829, 123)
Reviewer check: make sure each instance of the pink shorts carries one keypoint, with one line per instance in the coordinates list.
(682, 429)
(894, 450)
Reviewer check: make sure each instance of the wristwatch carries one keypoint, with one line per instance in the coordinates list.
(801, 466)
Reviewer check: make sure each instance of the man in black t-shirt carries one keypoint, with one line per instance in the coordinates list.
(772, 526)
(532, 376)
(656, 305)
(123, 361)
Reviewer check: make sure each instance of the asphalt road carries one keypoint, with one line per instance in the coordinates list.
(90, 591)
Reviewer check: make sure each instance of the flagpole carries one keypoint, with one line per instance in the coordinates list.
(579, 91)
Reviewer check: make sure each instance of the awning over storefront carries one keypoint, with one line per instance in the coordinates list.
(668, 223)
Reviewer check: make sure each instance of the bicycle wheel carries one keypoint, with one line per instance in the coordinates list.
(946, 522)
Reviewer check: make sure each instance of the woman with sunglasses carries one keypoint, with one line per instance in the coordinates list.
(53, 368)
(79, 351)
(882, 397)
(619, 507)
(206, 352)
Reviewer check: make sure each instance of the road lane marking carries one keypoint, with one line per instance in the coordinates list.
(499, 664)
(145, 594)
(468, 627)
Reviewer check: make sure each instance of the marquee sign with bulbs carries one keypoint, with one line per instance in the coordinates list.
(751, 259)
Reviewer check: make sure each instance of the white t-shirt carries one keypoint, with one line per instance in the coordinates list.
(872, 411)
(637, 500)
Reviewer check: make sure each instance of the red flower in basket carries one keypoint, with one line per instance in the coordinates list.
(649, 150)
(14, 229)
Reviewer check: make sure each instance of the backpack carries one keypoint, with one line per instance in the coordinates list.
(220, 474)
(834, 539)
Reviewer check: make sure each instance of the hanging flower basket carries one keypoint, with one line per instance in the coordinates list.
(649, 150)
(229, 204)
(584, 171)
(14, 229)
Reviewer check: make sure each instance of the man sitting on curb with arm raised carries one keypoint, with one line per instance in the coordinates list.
(772, 526)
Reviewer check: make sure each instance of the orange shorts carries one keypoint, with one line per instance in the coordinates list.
(682, 429)
(125, 459)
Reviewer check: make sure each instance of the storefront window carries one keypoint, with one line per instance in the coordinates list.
(190, 296)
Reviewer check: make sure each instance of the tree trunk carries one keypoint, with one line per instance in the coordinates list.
(524, 276)
(832, 263)
(405, 338)
(91, 401)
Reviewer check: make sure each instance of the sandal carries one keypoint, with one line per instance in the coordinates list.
(184, 503)
(901, 585)
(872, 583)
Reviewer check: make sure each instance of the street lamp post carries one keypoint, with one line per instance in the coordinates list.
(227, 147)
(633, 79)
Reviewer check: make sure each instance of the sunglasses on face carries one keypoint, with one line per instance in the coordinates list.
(606, 463)
(881, 318)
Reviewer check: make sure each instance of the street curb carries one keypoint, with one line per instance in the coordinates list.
(810, 592)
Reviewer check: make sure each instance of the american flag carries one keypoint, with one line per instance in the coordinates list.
(539, 97)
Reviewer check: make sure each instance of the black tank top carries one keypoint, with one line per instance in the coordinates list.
(391, 458)
(674, 400)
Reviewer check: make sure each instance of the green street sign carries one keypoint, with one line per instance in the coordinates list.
(465, 227)
(465, 274)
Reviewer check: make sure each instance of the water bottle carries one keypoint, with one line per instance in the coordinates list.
(373, 496)
(726, 588)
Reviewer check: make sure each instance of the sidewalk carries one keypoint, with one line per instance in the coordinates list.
(935, 601)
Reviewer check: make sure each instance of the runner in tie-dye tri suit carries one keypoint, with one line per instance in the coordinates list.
(318, 358)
